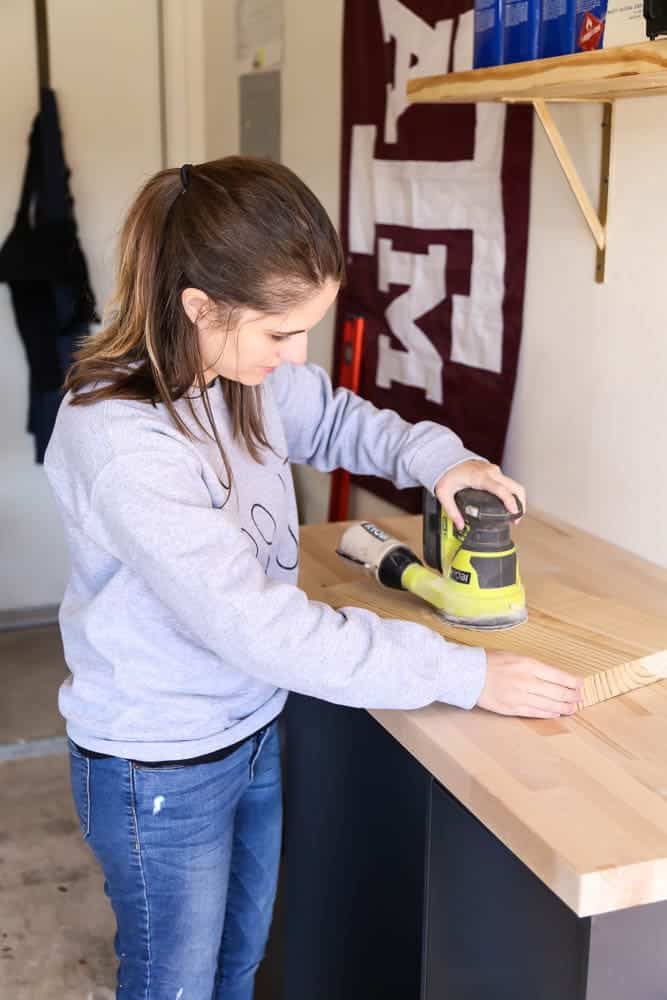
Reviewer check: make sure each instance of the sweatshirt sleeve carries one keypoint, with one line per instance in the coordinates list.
(152, 511)
(331, 430)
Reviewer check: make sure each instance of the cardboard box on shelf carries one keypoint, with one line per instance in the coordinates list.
(625, 23)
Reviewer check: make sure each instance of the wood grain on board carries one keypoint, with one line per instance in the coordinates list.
(582, 801)
(616, 647)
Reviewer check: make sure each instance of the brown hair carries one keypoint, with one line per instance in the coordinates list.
(247, 232)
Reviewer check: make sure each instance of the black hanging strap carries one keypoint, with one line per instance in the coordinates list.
(42, 30)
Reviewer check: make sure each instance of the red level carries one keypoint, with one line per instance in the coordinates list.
(348, 377)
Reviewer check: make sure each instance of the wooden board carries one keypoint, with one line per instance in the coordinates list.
(615, 649)
(602, 75)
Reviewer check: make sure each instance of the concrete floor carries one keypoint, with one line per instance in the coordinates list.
(56, 925)
(32, 669)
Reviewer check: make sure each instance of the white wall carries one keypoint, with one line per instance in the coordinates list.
(104, 69)
(25, 506)
(311, 104)
(185, 82)
(221, 94)
(588, 427)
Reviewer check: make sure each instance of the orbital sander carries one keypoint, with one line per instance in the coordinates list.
(471, 576)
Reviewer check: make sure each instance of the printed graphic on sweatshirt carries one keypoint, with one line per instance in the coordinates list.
(263, 534)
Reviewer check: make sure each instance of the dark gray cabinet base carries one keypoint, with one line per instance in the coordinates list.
(493, 929)
(355, 839)
(394, 891)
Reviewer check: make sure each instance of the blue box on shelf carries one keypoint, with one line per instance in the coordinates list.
(521, 30)
(557, 28)
(488, 29)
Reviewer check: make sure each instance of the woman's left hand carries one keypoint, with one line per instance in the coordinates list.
(480, 476)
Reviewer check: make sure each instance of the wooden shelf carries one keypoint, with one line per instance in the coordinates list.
(603, 75)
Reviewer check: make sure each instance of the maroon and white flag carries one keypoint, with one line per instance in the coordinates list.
(435, 223)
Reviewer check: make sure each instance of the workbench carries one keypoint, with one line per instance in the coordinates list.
(450, 855)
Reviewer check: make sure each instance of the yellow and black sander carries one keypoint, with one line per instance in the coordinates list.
(471, 577)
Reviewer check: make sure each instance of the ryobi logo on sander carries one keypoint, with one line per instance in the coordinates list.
(376, 532)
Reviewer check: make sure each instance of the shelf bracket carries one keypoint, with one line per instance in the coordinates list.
(596, 221)
(605, 176)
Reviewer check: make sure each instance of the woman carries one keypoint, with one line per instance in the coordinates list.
(182, 623)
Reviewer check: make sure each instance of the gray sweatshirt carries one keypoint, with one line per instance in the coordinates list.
(182, 623)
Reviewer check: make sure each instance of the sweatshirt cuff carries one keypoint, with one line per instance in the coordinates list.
(466, 678)
(466, 457)
(430, 465)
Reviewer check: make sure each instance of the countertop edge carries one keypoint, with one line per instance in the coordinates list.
(587, 894)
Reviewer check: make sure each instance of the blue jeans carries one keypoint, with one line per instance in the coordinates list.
(190, 856)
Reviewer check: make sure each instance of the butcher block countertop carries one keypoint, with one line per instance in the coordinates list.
(582, 801)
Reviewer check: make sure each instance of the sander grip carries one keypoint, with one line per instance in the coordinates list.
(381, 555)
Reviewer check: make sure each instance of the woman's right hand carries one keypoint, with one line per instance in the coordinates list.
(519, 685)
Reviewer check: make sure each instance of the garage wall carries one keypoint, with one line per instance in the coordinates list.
(104, 69)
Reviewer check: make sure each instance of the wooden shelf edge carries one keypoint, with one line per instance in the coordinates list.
(603, 75)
